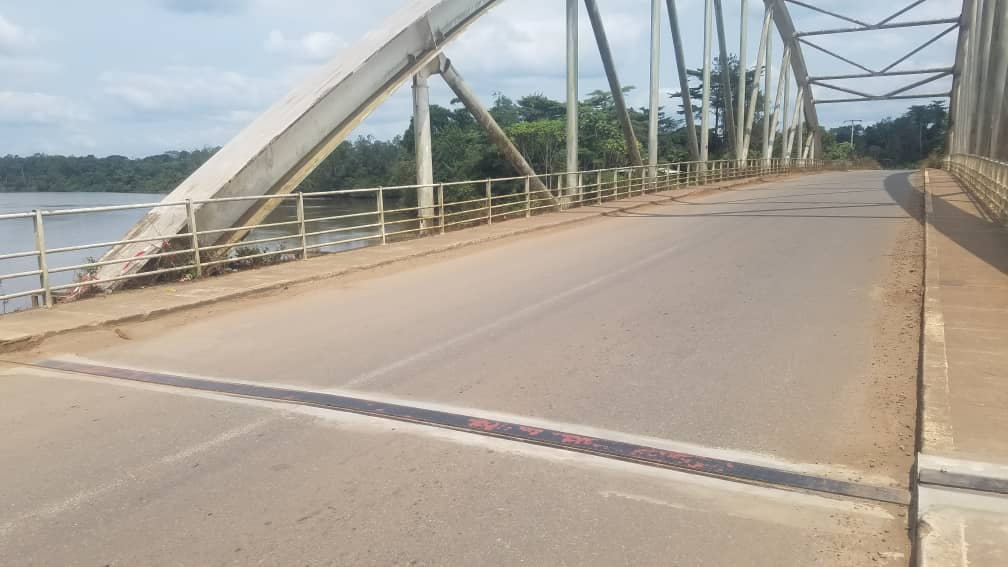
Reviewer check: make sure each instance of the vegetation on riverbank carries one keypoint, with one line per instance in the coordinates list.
(461, 150)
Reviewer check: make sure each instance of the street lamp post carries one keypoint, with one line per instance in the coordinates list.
(852, 132)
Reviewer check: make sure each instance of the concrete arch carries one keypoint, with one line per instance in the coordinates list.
(274, 153)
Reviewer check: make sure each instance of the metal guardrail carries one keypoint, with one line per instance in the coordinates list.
(457, 205)
(986, 179)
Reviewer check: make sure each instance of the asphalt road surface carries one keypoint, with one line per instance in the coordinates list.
(774, 325)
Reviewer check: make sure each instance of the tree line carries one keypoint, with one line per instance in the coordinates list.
(461, 151)
(918, 134)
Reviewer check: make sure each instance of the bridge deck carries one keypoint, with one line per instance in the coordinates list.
(775, 326)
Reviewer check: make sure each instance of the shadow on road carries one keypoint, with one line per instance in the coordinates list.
(957, 216)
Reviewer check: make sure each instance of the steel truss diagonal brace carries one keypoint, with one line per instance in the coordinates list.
(614, 84)
(496, 134)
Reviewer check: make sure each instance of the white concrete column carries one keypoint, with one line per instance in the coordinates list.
(705, 102)
(422, 143)
(655, 86)
(572, 96)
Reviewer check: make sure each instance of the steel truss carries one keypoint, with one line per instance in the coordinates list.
(886, 71)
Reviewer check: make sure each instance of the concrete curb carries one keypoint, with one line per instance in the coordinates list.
(952, 496)
(24, 341)
(936, 412)
(930, 544)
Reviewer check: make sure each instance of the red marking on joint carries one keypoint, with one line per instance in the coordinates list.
(533, 431)
(570, 439)
(653, 454)
(484, 424)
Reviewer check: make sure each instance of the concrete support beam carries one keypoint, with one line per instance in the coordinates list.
(598, 27)
(981, 129)
(422, 145)
(654, 100)
(785, 116)
(997, 73)
(794, 132)
(957, 119)
(779, 101)
(800, 128)
(754, 95)
(573, 165)
(766, 99)
(1001, 148)
(725, 75)
(743, 48)
(687, 103)
(705, 107)
(970, 68)
(493, 130)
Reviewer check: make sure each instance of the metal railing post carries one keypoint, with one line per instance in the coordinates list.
(43, 264)
(302, 232)
(489, 200)
(194, 237)
(381, 215)
(598, 187)
(440, 196)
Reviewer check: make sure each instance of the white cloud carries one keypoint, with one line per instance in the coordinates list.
(204, 6)
(314, 46)
(527, 40)
(27, 66)
(181, 88)
(12, 38)
(235, 116)
(37, 108)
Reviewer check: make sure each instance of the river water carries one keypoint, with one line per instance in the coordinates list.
(17, 235)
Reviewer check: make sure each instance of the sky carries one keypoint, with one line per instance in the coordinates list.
(140, 77)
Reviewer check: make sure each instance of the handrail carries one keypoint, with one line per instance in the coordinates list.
(487, 201)
(986, 179)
